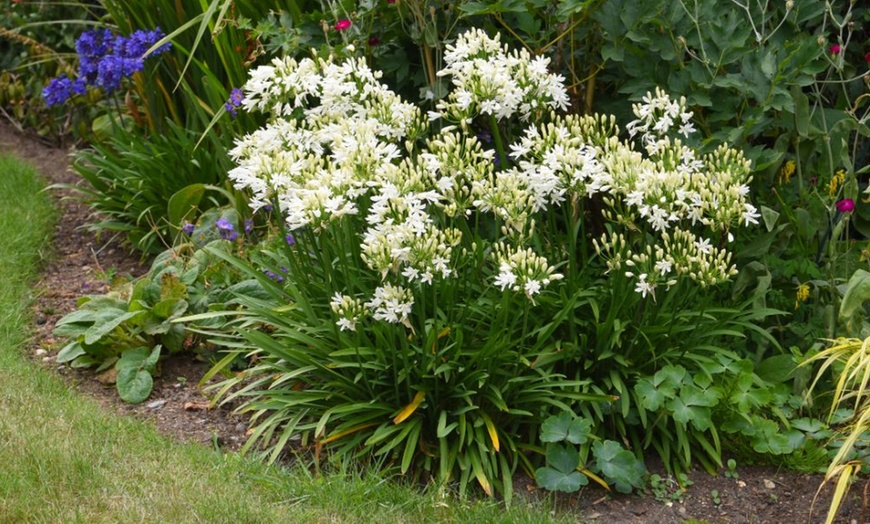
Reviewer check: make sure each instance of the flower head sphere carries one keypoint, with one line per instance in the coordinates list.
(846, 205)
(343, 24)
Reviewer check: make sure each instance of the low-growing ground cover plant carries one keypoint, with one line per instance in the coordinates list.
(130, 328)
(454, 278)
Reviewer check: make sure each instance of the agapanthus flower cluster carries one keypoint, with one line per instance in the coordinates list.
(522, 270)
(104, 61)
(340, 146)
(490, 80)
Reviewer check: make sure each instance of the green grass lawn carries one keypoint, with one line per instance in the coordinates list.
(64, 459)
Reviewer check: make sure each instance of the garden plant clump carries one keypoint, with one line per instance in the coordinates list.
(458, 276)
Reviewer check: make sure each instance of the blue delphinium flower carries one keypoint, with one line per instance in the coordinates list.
(104, 61)
(236, 97)
(57, 91)
(226, 230)
(91, 47)
(290, 240)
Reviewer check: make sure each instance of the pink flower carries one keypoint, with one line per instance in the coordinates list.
(391, 1)
(835, 49)
(846, 205)
(343, 24)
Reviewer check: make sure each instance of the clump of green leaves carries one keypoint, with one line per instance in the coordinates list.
(130, 328)
(568, 438)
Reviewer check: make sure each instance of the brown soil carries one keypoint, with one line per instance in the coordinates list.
(80, 263)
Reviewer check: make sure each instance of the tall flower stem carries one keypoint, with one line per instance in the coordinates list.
(499, 144)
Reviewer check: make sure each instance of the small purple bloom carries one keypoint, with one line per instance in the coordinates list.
(846, 205)
(274, 276)
(290, 240)
(58, 91)
(226, 230)
(188, 228)
(249, 226)
(235, 100)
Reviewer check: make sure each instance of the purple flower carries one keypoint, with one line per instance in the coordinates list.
(58, 91)
(104, 61)
(290, 240)
(188, 228)
(226, 230)
(846, 205)
(235, 100)
(249, 226)
(139, 42)
(274, 276)
(113, 69)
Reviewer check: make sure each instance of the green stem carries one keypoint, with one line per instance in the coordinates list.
(499, 145)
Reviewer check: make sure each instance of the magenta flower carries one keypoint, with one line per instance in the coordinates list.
(867, 57)
(343, 24)
(835, 49)
(846, 205)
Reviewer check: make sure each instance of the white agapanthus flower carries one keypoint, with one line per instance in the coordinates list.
(339, 143)
(391, 303)
(490, 80)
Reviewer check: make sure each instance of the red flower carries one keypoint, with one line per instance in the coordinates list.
(846, 205)
(391, 1)
(835, 49)
(867, 58)
(373, 41)
(343, 24)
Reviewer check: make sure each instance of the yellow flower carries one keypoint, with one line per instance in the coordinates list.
(803, 293)
(836, 181)
(786, 172)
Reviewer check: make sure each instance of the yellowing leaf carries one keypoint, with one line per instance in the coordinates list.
(346, 432)
(490, 428)
(410, 408)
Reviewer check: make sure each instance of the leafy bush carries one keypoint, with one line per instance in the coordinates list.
(131, 327)
(786, 84)
(134, 183)
(454, 280)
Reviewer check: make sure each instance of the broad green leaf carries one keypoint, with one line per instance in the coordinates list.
(801, 112)
(670, 376)
(182, 205)
(134, 382)
(618, 465)
(565, 427)
(563, 458)
(553, 480)
(170, 308)
(769, 216)
(776, 369)
(651, 397)
(70, 352)
(108, 321)
(857, 292)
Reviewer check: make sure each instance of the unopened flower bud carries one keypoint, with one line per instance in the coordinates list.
(789, 5)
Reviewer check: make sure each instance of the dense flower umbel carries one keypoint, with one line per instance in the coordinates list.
(489, 80)
(104, 61)
(340, 144)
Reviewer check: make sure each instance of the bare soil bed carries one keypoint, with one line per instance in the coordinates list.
(79, 263)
